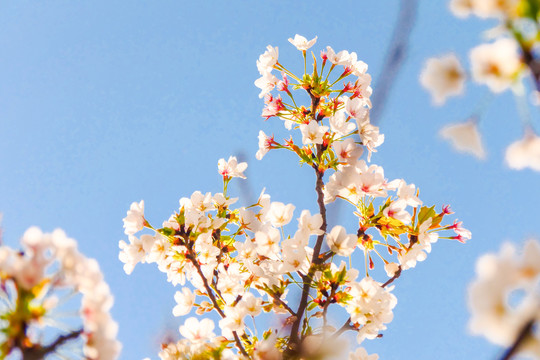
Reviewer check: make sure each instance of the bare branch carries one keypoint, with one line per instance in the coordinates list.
(193, 258)
(391, 280)
(394, 57)
(38, 352)
(522, 336)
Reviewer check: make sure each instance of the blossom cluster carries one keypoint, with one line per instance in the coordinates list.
(505, 297)
(240, 262)
(36, 281)
(499, 64)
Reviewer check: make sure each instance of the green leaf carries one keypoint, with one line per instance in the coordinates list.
(426, 213)
(167, 231)
(226, 240)
(531, 8)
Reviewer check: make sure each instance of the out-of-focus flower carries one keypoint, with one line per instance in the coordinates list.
(361, 354)
(495, 313)
(495, 8)
(496, 65)
(465, 137)
(462, 8)
(443, 77)
(525, 152)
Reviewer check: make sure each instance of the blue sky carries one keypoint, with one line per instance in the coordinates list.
(105, 103)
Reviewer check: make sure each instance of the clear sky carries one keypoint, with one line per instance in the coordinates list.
(104, 103)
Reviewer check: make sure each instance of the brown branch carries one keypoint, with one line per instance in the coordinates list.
(391, 280)
(38, 352)
(346, 326)
(327, 304)
(314, 103)
(532, 63)
(193, 258)
(282, 303)
(522, 336)
(315, 260)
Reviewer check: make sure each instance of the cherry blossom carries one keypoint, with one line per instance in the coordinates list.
(134, 221)
(443, 77)
(525, 152)
(243, 261)
(465, 137)
(496, 65)
(231, 168)
(301, 43)
(184, 302)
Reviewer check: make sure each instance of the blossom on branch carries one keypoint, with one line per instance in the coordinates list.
(301, 43)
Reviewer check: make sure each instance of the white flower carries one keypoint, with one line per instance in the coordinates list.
(495, 8)
(265, 143)
(397, 211)
(416, 253)
(310, 224)
(340, 58)
(267, 60)
(347, 151)
(197, 331)
(221, 201)
(295, 258)
(280, 214)
(339, 125)
(233, 321)
(184, 302)
(391, 269)
(312, 133)
(231, 168)
(408, 193)
(360, 68)
(252, 305)
(268, 242)
(134, 221)
(267, 350)
(301, 43)
(495, 313)
(465, 137)
(266, 83)
(340, 242)
(496, 65)
(461, 8)
(133, 253)
(443, 77)
(361, 354)
(524, 153)
(370, 136)
(371, 306)
(357, 109)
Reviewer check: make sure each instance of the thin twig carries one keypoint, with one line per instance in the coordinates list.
(394, 57)
(315, 259)
(522, 336)
(282, 303)
(38, 353)
(327, 304)
(391, 280)
(193, 258)
(346, 326)
(532, 64)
